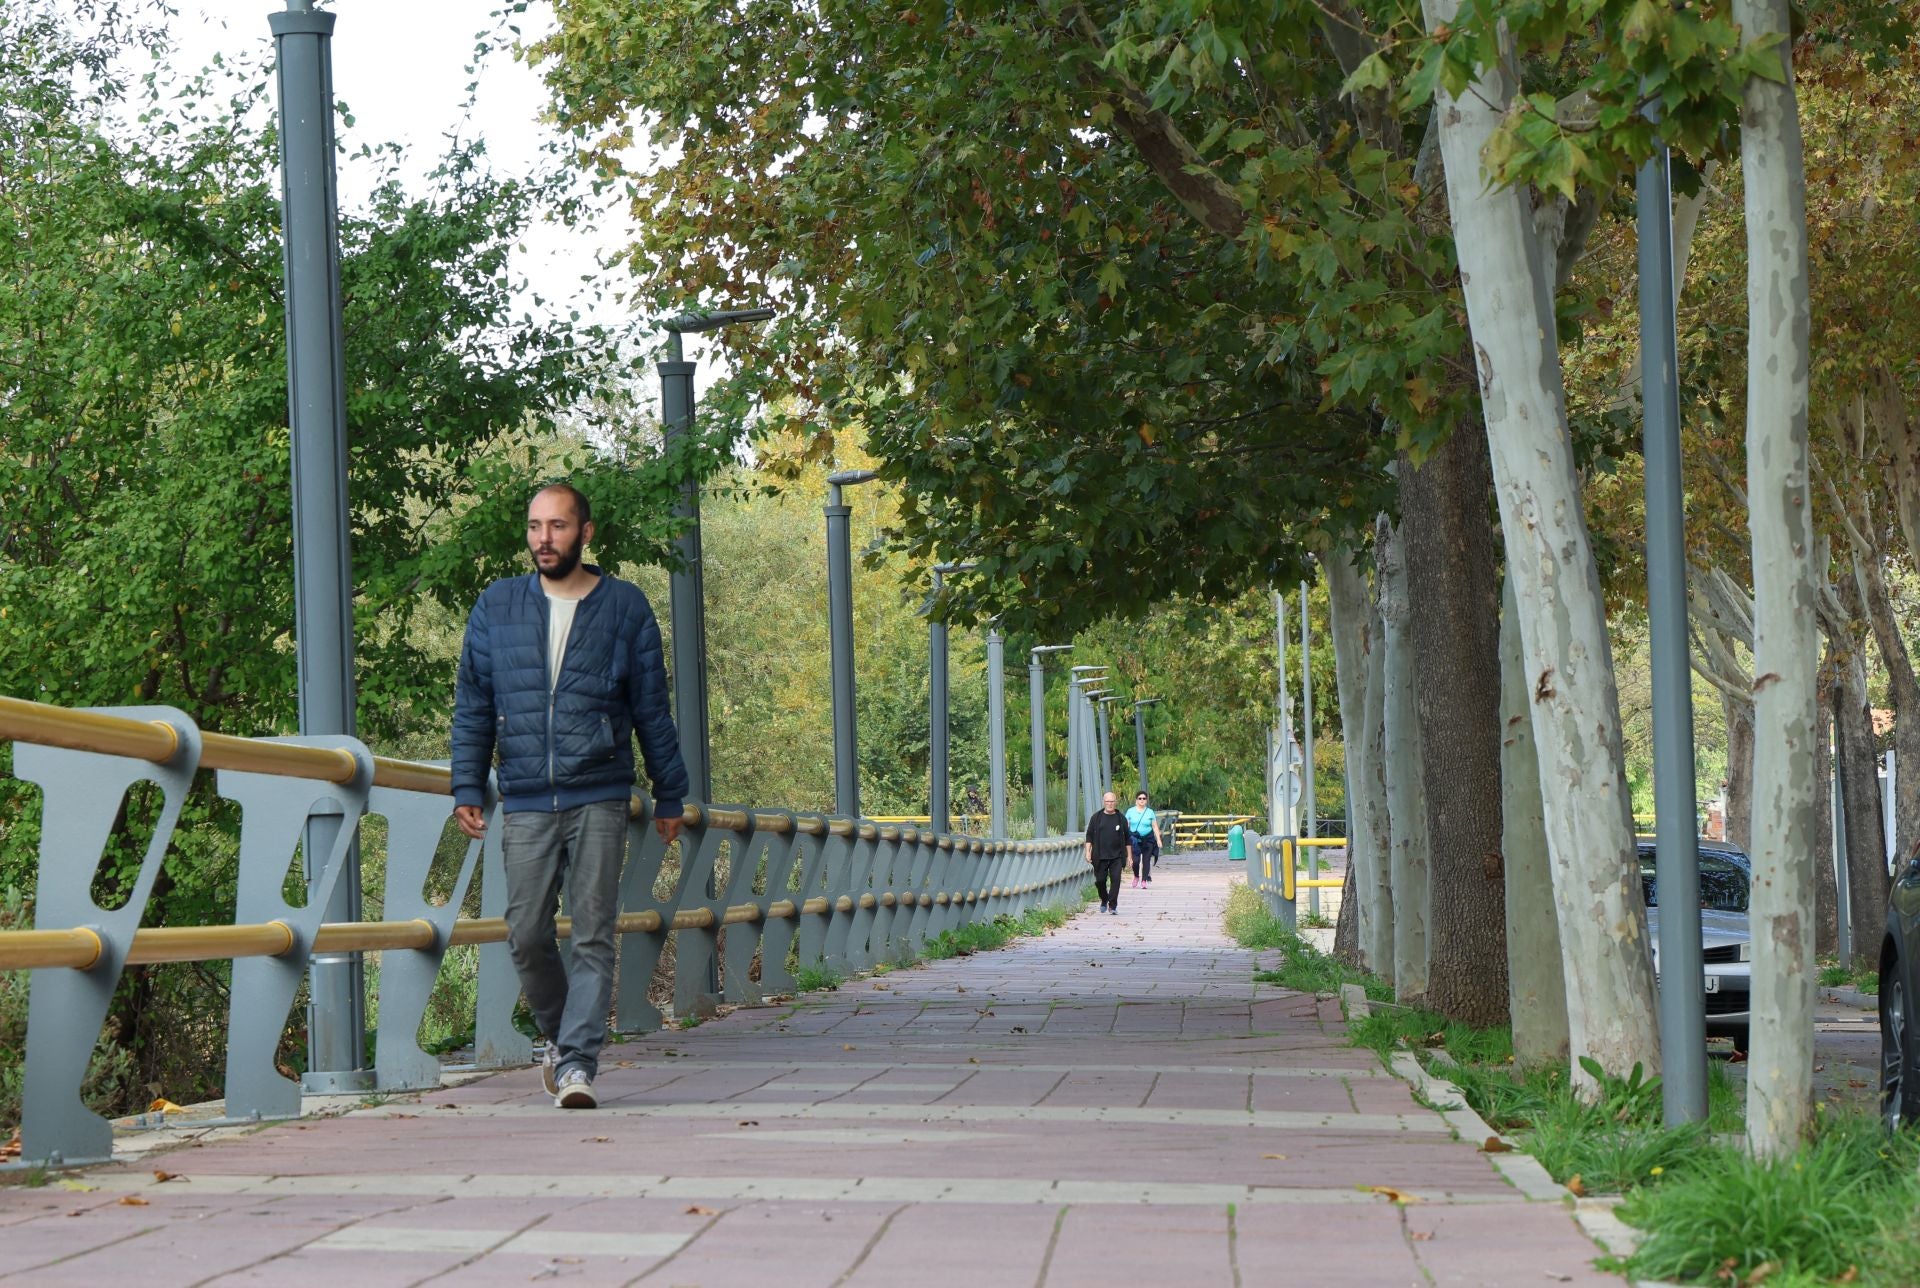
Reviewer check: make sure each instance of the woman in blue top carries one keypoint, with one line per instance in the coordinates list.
(1143, 835)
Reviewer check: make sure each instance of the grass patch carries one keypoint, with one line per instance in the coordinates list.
(983, 936)
(816, 979)
(1305, 968)
(1839, 1209)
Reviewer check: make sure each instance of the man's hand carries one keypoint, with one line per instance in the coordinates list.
(669, 828)
(472, 820)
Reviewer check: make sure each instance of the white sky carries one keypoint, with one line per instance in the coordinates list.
(400, 66)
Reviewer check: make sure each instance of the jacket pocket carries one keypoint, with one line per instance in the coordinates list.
(605, 744)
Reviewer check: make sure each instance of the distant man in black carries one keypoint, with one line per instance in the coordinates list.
(1107, 851)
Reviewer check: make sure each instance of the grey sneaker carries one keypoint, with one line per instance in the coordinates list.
(550, 1070)
(576, 1091)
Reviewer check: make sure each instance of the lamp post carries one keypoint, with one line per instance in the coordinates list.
(687, 589)
(846, 749)
(1079, 678)
(322, 562)
(937, 806)
(1090, 723)
(1037, 722)
(1306, 747)
(1676, 844)
(1140, 737)
(1106, 743)
(996, 734)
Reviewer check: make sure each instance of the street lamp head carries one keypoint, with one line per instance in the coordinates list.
(847, 478)
(1145, 702)
(1051, 648)
(713, 320)
(953, 567)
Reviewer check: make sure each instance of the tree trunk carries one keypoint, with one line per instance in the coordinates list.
(1346, 931)
(1785, 641)
(1739, 771)
(1563, 630)
(1453, 595)
(1355, 646)
(1538, 1004)
(1406, 777)
(1854, 755)
(1826, 891)
(1904, 691)
(1378, 947)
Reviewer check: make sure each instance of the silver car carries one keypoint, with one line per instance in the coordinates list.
(1726, 940)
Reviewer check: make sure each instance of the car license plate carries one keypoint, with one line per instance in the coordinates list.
(1713, 983)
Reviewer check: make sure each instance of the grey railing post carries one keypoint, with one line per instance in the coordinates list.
(322, 562)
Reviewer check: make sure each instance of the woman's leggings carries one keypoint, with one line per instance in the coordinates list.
(1145, 851)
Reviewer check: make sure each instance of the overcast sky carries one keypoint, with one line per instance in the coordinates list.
(400, 66)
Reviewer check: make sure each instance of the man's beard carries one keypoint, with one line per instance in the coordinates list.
(565, 561)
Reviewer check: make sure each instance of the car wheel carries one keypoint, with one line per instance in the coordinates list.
(1897, 1074)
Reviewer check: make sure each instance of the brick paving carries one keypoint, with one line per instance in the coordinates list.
(1113, 1103)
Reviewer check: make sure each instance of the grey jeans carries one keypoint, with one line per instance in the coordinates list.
(580, 851)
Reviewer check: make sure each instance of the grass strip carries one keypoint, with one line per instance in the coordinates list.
(1303, 967)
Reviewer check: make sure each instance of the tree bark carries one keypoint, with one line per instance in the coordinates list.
(1739, 716)
(1904, 691)
(1453, 595)
(1405, 775)
(1355, 647)
(1854, 755)
(1826, 891)
(1346, 931)
(1785, 640)
(1575, 707)
(1379, 944)
(1537, 1007)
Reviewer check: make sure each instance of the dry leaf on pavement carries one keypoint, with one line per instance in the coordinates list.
(1389, 1193)
(1494, 1145)
(697, 1210)
(1576, 1187)
(132, 1200)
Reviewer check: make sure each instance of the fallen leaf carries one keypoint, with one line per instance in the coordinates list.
(1819, 1068)
(164, 1106)
(1390, 1194)
(973, 1059)
(1494, 1145)
(595, 1140)
(882, 988)
(161, 1178)
(78, 1212)
(132, 1200)
(76, 1187)
(846, 1046)
(749, 1122)
(1576, 1187)
(1852, 1276)
(1760, 1273)
(1281, 1156)
(697, 1210)
(1017, 1029)
(1420, 1236)
(1855, 1082)
(446, 1106)
(959, 988)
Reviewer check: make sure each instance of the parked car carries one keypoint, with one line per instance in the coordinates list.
(1726, 938)
(1899, 1062)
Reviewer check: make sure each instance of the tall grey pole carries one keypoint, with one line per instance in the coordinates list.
(846, 750)
(1306, 747)
(937, 727)
(1278, 815)
(997, 735)
(1677, 855)
(1106, 748)
(1037, 734)
(1037, 701)
(1140, 737)
(1074, 821)
(322, 562)
(686, 590)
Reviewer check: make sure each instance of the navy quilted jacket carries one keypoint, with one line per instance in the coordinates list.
(569, 743)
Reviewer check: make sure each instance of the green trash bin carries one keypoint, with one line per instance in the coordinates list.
(1237, 842)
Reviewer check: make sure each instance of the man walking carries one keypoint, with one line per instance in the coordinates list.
(559, 672)
(1107, 851)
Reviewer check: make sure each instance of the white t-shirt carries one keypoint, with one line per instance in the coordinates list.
(559, 625)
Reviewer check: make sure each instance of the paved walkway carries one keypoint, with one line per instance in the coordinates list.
(1115, 1103)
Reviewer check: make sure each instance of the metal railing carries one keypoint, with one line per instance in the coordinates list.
(789, 891)
(1273, 871)
(1207, 831)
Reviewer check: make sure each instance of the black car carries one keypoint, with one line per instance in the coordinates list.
(1726, 940)
(1899, 1062)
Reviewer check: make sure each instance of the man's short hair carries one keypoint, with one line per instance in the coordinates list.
(582, 508)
